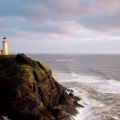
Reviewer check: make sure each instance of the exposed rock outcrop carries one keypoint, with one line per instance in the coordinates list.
(29, 92)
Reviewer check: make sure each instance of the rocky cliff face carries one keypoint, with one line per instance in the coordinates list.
(29, 92)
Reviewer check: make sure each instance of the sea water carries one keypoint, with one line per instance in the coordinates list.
(94, 78)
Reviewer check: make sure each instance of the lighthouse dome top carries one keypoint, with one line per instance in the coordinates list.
(4, 37)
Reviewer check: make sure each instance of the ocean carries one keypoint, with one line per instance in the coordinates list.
(94, 78)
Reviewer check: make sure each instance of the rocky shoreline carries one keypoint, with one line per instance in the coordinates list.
(29, 92)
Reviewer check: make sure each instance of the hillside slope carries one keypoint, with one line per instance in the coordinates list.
(29, 92)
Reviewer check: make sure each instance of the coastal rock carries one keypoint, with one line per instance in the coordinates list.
(1, 118)
(74, 97)
(29, 92)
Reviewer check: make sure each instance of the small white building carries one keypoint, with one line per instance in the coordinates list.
(4, 51)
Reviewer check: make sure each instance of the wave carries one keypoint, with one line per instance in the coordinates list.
(73, 77)
(99, 96)
(86, 113)
(112, 86)
(6, 118)
(86, 79)
(102, 85)
(100, 73)
(64, 60)
(78, 116)
(114, 83)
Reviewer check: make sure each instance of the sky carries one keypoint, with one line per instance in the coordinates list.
(61, 26)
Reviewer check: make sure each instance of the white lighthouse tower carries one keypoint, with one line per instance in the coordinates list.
(5, 46)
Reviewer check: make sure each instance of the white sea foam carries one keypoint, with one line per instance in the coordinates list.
(108, 88)
(78, 116)
(88, 111)
(114, 83)
(86, 79)
(6, 118)
(103, 85)
(90, 89)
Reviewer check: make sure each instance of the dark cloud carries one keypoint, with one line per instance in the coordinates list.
(40, 10)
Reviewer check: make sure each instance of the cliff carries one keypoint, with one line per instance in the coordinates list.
(29, 92)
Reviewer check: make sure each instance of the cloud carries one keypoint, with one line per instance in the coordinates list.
(59, 19)
(3, 23)
(58, 10)
(102, 23)
(104, 7)
(51, 8)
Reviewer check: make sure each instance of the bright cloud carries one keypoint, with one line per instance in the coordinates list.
(74, 21)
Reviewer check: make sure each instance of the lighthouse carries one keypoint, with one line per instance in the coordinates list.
(5, 46)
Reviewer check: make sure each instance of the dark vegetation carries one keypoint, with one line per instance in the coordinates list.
(29, 92)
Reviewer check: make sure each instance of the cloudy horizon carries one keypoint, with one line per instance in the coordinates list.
(66, 26)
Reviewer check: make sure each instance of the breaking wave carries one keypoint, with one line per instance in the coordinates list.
(97, 94)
